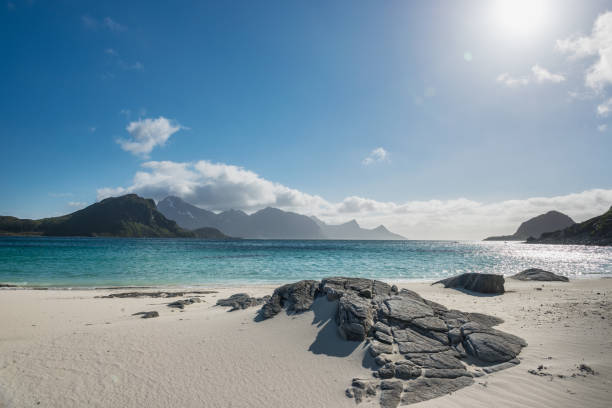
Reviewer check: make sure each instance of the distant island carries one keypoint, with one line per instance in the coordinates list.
(269, 223)
(134, 216)
(125, 216)
(596, 231)
(535, 227)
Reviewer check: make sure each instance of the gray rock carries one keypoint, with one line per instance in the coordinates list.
(387, 371)
(423, 389)
(361, 388)
(535, 274)
(483, 319)
(446, 373)
(296, 297)
(147, 315)
(354, 317)
(434, 360)
(501, 366)
(490, 345)
(241, 301)
(385, 338)
(475, 282)
(383, 359)
(410, 341)
(432, 323)
(391, 393)
(406, 309)
(161, 294)
(407, 371)
(368, 385)
(381, 327)
(180, 304)
(377, 348)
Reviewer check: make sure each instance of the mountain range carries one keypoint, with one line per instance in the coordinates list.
(269, 223)
(535, 227)
(125, 216)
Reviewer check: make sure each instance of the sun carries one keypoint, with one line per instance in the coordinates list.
(521, 17)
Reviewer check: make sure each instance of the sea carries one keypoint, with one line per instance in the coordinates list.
(113, 262)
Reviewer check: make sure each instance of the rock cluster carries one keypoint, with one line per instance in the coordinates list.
(420, 347)
(180, 304)
(476, 282)
(156, 294)
(241, 301)
(535, 274)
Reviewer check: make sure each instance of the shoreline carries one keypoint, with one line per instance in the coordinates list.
(70, 348)
(223, 285)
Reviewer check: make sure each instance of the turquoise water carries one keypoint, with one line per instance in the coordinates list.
(94, 262)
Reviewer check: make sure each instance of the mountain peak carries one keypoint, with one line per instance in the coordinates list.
(536, 226)
(352, 223)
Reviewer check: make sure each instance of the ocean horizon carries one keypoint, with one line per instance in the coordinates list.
(78, 262)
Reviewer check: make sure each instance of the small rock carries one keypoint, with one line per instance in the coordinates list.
(147, 315)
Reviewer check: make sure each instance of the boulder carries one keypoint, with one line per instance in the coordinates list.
(241, 301)
(535, 274)
(295, 297)
(354, 317)
(490, 345)
(475, 282)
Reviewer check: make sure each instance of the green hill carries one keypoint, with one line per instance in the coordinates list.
(125, 216)
(596, 231)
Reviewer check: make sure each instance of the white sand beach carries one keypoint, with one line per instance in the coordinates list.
(67, 348)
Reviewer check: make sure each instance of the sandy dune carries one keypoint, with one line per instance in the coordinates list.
(62, 348)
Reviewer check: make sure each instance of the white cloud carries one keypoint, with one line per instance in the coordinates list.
(121, 63)
(508, 80)
(543, 75)
(602, 128)
(538, 75)
(218, 186)
(598, 45)
(605, 108)
(107, 23)
(377, 155)
(112, 25)
(146, 134)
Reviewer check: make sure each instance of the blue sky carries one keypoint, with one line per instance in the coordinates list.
(472, 105)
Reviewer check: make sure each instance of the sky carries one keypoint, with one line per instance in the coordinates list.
(438, 119)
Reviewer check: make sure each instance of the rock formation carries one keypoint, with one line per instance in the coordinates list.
(475, 282)
(421, 348)
(535, 274)
(241, 301)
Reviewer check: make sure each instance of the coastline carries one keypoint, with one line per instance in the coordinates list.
(70, 348)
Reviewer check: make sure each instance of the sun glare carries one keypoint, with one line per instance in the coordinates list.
(521, 17)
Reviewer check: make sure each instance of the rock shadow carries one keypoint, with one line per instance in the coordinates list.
(328, 340)
(479, 294)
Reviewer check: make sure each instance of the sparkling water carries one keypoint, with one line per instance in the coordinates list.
(97, 262)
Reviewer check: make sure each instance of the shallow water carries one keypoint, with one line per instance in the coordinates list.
(90, 262)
